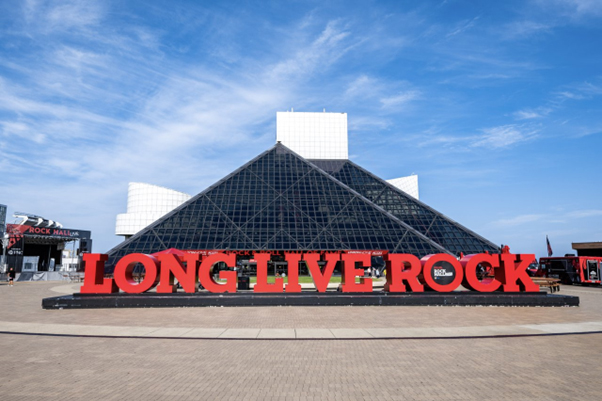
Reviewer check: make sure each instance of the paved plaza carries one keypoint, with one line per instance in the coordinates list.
(413, 353)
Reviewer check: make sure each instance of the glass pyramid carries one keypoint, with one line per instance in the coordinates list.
(278, 201)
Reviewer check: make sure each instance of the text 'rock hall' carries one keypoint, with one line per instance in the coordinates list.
(303, 194)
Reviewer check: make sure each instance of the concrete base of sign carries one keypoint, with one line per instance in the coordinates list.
(249, 298)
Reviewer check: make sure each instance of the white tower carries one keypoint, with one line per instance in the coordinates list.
(146, 203)
(313, 135)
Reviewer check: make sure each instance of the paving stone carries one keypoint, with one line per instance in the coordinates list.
(65, 289)
(565, 327)
(169, 332)
(205, 333)
(483, 331)
(313, 333)
(396, 332)
(351, 333)
(277, 333)
(240, 333)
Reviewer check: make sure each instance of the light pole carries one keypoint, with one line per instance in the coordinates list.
(4, 246)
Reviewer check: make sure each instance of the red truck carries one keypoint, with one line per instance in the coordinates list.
(573, 269)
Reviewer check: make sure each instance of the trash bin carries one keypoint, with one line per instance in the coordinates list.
(244, 283)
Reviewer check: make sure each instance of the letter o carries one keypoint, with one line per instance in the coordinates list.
(123, 273)
(428, 263)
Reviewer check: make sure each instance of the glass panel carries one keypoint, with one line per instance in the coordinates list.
(437, 227)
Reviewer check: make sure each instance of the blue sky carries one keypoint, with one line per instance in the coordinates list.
(497, 106)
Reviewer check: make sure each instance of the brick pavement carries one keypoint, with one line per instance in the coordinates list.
(537, 368)
(540, 368)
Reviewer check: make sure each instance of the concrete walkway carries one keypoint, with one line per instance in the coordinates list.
(298, 334)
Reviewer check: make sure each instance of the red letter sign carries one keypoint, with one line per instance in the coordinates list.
(321, 280)
(205, 276)
(94, 281)
(513, 274)
(397, 275)
(262, 275)
(171, 267)
(470, 263)
(350, 272)
(124, 270)
(441, 272)
(292, 259)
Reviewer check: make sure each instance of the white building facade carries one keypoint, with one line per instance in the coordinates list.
(408, 184)
(146, 203)
(314, 135)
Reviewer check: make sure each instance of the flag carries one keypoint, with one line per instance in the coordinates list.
(550, 253)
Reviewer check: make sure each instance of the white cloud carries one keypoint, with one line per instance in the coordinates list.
(436, 139)
(530, 114)
(573, 8)
(579, 91)
(323, 51)
(526, 115)
(524, 28)
(12, 129)
(386, 94)
(363, 86)
(503, 136)
(554, 218)
(580, 214)
(571, 95)
(493, 138)
(364, 122)
(61, 15)
(376, 100)
(463, 26)
(399, 99)
(519, 220)
(587, 131)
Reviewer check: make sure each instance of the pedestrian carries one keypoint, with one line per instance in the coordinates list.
(11, 276)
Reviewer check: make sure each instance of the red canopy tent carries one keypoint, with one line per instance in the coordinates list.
(172, 251)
